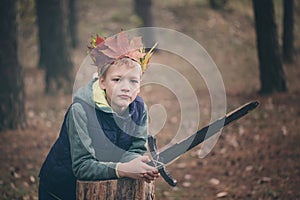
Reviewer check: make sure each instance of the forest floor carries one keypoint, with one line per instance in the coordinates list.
(258, 157)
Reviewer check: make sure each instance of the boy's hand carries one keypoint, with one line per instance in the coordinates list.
(150, 176)
(138, 169)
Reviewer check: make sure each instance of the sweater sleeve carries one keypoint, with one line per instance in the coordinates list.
(138, 146)
(84, 163)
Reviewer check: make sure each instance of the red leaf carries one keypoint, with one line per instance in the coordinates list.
(99, 40)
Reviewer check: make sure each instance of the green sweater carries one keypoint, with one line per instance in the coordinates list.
(85, 164)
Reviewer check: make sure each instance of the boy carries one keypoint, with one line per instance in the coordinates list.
(104, 132)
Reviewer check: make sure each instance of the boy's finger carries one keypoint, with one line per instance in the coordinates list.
(153, 174)
(149, 177)
(145, 159)
(151, 169)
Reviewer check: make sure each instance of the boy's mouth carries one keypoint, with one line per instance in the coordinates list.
(124, 96)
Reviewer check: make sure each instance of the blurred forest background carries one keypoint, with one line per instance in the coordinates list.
(255, 44)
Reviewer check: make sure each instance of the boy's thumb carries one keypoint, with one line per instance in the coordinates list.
(145, 159)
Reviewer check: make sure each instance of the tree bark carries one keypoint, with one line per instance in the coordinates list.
(272, 77)
(72, 16)
(12, 97)
(288, 31)
(217, 4)
(54, 51)
(125, 189)
(143, 9)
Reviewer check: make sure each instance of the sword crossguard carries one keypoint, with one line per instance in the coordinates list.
(155, 162)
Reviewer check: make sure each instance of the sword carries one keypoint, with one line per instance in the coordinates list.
(160, 159)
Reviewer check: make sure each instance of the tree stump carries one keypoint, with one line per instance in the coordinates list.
(124, 189)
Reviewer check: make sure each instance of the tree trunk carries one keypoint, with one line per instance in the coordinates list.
(72, 15)
(54, 51)
(217, 4)
(288, 31)
(43, 30)
(12, 97)
(143, 9)
(271, 71)
(125, 189)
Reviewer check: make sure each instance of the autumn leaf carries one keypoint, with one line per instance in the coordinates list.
(120, 46)
(117, 47)
(99, 40)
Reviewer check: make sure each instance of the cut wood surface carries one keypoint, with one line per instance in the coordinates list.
(115, 189)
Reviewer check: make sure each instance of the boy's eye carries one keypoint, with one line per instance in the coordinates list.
(116, 79)
(134, 81)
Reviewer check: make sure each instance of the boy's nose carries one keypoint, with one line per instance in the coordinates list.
(125, 87)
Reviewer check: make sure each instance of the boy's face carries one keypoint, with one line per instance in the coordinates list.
(122, 85)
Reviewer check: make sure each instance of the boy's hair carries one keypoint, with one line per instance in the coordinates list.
(123, 61)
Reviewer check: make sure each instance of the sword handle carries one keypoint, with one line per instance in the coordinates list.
(159, 165)
(167, 176)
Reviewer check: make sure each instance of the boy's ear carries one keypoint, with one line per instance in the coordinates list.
(101, 83)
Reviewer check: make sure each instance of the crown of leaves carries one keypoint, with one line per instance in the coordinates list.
(106, 51)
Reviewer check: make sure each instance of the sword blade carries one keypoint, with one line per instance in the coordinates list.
(176, 150)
